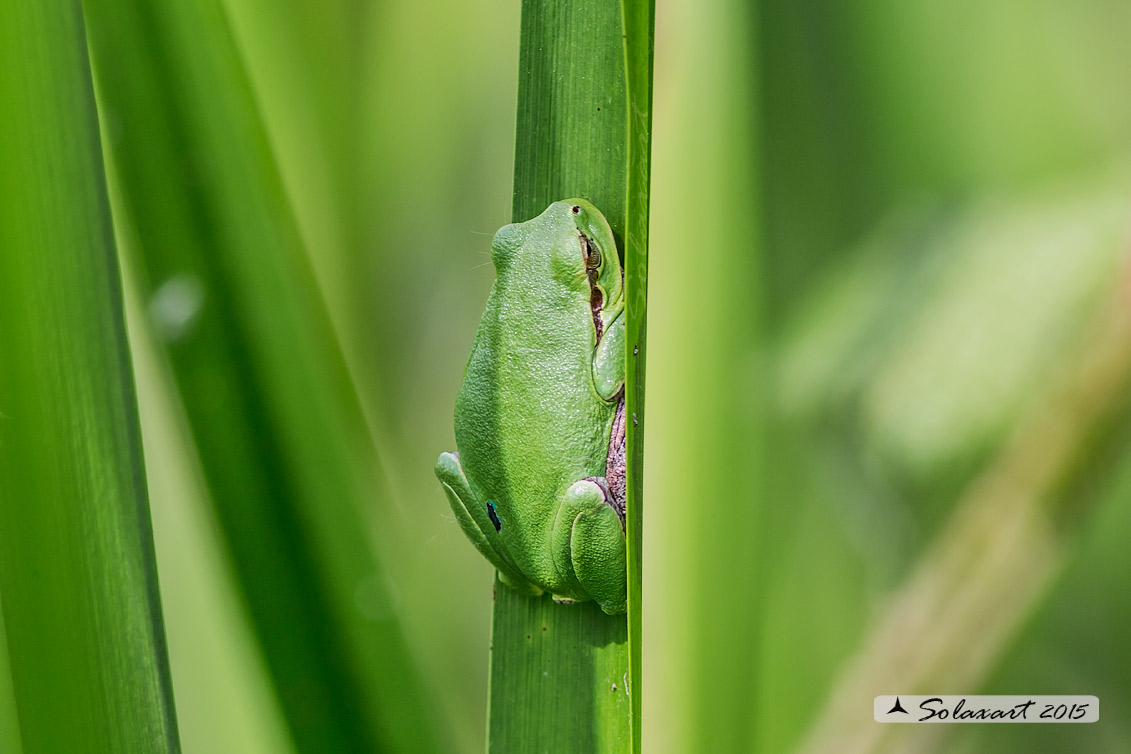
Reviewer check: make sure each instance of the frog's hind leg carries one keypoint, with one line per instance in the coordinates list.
(451, 476)
(588, 546)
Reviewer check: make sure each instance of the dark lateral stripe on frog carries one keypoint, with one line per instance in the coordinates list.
(595, 297)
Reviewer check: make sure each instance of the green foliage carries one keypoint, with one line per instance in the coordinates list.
(280, 436)
(85, 639)
(890, 237)
(559, 677)
(706, 386)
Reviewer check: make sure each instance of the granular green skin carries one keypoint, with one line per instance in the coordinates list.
(532, 484)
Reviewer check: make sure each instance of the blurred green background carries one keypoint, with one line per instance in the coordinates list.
(889, 359)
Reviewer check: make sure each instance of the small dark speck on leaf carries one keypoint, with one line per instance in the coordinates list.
(614, 687)
(543, 628)
(635, 350)
(528, 636)
(598, 109)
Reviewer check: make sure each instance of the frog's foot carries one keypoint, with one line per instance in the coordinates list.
(588, 546)
(460, 496)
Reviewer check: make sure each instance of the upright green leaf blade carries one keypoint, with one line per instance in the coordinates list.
(707, 386)
(571, 131)
(567, 677)
(639, 25)
(77, 574)
(281, 438)
(559, 677)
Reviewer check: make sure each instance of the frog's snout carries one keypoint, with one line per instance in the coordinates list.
(506, 243)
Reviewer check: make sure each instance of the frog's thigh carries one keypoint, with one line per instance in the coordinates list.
(588, 547)
(452, 479)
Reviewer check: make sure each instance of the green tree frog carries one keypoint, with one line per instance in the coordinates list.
(538, 482)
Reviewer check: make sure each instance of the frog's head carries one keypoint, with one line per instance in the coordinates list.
(599, 256)
(570, 243)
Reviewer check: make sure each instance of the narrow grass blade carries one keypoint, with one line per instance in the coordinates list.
(706, 471)
(81, 610)
(281, 439)
(567, 677)
(639, 26)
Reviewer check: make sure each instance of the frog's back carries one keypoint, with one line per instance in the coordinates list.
(529, 420)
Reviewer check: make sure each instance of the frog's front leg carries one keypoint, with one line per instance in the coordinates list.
(608, 359)
(451, 476)
(588, 546)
